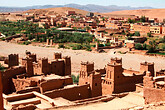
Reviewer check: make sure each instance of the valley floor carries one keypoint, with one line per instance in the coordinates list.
(100, 59)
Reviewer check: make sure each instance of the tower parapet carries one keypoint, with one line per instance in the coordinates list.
(116, 60)
(13, 60)
(57, 56)
(146, 66)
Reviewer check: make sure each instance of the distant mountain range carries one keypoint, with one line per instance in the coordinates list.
(89, 7)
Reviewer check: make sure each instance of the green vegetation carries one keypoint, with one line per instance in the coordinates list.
(149, 34)
(34, 32)
(2, 68)
(26, 43)
(158, 53)
(86, 47)
(61, 46)
(152, 47)
(143, 19)
(107, 44)
(77, 47)
(162, 40)
(75, 79)
(137, 33)
(156, 45)
(138, 46)
(101, 45)
(131, 20)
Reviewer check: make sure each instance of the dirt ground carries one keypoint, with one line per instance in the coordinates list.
(100, 59)
(130, 101)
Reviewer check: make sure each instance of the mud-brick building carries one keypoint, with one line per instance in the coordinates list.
(154, 86)
(115, 80)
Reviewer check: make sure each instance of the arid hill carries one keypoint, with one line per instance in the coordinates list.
(53, 11)
(152, 13)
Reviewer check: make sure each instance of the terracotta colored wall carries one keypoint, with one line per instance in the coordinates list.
(60, 67)
(157, 95)
(57, 56)
(1, 99)
(7, 78)
(95, 84)
(107, 87)
(67, 65)
(147, 67)
(72, 94)
(37, 69)
(131, 71)
(21, 84)
(33, 57)
(13, 60)
(54, 84)
(130, 45)
(57, 67)
(116, 82)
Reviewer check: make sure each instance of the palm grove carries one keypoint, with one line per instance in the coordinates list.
(38, 34)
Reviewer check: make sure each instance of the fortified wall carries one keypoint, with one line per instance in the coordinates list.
(115, 80)
(59, 66)
(52, 80)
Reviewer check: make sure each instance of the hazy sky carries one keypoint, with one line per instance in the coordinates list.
(134, 3)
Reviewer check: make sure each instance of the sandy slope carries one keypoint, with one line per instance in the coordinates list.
(152, 13)
(59, 10)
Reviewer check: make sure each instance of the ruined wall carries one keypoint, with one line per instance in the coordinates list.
(157, 95)
(1, 98)
(72, 93)
(37, 69)
(21, 84)
(54, 84)
(33, 57)
(149, 88)
(7, 78)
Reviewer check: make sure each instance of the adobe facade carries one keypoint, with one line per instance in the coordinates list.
(52, 79)
(140, 28)
(154, 86)
(156, 29)
(89, 76)
(13, 60)
(59, 66)
(115, 79)
(118, 79)
(31, 67)
(1, 91)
